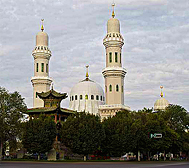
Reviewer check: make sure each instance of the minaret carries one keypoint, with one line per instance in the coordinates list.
(114, 73)
(41, 54)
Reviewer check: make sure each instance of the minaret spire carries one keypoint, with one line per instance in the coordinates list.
(161, 87)
(42, 27)
(113, 13)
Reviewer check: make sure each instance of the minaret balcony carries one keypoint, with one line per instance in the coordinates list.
(41, 80)
(113, 42)
(114, 71)
(44, 55)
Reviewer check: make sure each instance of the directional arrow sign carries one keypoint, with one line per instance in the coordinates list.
(156, 135)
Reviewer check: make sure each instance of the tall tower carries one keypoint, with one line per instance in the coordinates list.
(41, 54)
(113, 74)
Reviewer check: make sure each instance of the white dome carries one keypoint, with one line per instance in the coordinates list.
(42, 39)
(161, 104)
(86, 96)
(113, 25)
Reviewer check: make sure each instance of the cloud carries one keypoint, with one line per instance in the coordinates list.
(155, 51)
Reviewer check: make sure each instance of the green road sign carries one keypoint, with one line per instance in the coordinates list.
(156, 135)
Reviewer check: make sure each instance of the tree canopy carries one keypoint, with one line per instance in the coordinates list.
(39, 134)
(131, 131)
(82, 133)
(12, 107)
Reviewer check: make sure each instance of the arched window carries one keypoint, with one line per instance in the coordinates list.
(42, 67)
(81, 97)
(110, 88)
(110, 57)
(120, 58)
(97, 97)
(37, 67)
(116, 57)
(86, 97)
(75, 97)
(92, 97)
(72, 98)
(101, 98)
(117, 88)
(47, 68)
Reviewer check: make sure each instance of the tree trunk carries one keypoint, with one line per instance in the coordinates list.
(85, 158)
(1, 150)
(139, 156)
(38, 156)
(148, 156)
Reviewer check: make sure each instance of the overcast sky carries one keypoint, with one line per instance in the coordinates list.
(155, 53)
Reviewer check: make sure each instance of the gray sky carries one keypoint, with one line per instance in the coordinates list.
(155, 53)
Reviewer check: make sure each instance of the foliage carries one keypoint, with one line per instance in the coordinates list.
(12, 107)
(130, 131)
(116, 130)
(82, 133)
(39, 134)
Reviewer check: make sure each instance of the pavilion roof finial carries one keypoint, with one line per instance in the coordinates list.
(52, 86)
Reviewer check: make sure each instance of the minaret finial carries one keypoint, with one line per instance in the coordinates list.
(161, 87)
(42, 28)
(87, 72)
(113, 13)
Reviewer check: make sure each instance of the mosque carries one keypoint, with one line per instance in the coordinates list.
(87, 95)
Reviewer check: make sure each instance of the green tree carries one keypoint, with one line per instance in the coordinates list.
(157, 124)
(82, 133)
(118, 140)
(12, 107)
(39, 135)
(177, 119)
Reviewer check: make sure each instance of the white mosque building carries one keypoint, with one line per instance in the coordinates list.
(87, 95)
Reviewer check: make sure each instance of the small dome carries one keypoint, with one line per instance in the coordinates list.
(161, 104)
(86, 96)
(41, 39)
(113, 25)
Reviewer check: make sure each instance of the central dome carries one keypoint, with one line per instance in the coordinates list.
(86, 96)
